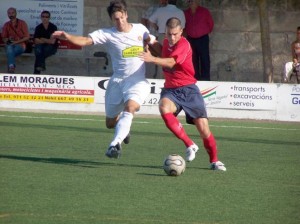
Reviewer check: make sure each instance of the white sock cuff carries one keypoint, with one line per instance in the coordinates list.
(127, 114)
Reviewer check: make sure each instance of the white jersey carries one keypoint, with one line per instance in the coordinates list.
(123, 49)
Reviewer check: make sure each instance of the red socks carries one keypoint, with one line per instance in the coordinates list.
(174, 126)
(211, 148)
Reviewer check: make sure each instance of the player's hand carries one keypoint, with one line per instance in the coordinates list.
(146, 55)
(59, 35)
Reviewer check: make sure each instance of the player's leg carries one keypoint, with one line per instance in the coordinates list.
(167, 110)
(209, 143)
(124, 122)
(113, 107)
(134, 94)
(194, 107)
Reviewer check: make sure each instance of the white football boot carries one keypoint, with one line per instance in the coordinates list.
(217, 166)
(190, 152)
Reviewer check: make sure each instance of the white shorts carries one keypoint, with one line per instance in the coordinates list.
(120, 91)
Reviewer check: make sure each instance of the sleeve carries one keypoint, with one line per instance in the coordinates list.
(98, 37)
(147, 35)
(4, 33)
(210, 21)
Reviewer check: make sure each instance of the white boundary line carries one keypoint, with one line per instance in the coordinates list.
(146, 122)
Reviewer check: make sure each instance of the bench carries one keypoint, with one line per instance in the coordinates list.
(64, 45)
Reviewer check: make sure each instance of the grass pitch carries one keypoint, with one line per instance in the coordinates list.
(53, 170)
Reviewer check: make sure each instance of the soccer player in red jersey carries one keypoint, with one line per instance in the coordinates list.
(180, 92)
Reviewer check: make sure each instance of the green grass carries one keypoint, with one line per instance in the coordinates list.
(53, 170)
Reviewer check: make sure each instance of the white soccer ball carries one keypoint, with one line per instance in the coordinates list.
(174, 165)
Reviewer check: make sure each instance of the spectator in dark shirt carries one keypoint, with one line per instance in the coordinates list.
(45, 46)
(199, 24)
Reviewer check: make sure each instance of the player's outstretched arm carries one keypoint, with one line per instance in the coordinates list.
(77, 40)
(148, 57)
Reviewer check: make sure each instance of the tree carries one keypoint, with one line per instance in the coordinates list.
(265, 40)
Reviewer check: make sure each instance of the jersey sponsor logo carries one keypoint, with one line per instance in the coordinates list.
(132, 51)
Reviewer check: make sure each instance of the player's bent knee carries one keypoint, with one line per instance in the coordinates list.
(110, 123)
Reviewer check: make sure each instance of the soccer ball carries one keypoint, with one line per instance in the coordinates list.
(174, 165)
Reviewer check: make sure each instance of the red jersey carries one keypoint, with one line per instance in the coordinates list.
(198, 24)
(17, 32)
(182, 74)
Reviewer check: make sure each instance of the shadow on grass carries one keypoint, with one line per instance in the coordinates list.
(152, 174)
(86, 164)
(73, 162)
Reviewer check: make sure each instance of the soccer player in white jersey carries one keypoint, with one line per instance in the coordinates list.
(127, 88)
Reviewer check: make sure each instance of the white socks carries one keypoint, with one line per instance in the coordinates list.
(122, 128)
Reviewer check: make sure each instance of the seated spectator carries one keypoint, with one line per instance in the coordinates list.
(296, 61)
(15, 34)
(293, 66)
(45, 46)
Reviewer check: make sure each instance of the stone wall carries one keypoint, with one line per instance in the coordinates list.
(235, 43)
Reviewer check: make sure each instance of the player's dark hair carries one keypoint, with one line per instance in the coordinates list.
(46, 12)
(116, 6)
(298, 28)
(173, 22)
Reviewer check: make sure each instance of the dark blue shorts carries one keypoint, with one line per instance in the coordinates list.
(189, 99)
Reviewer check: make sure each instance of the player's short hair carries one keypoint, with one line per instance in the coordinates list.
(173, 22)
(298, 28)
(116, 6)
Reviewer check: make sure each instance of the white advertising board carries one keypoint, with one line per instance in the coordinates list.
(223, 99)
(236, 95)
(288, 106)
(46, 88)
(65, 14)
